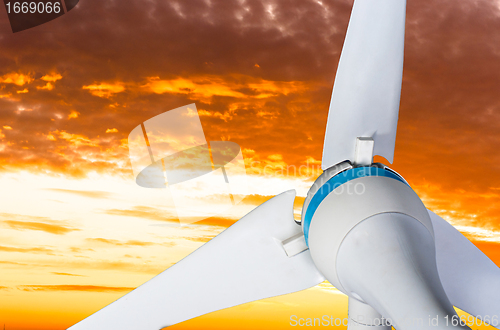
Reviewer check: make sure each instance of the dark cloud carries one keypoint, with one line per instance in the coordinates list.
(449, 128)
(126, 42)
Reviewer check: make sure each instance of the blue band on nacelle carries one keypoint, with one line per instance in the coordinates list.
(335, 182)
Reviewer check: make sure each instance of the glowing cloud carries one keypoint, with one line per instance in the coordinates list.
(73, 114)
(104, 89)
(236, 86)
(52, 77)
(18, 79)
(205, 87)
(47, 87)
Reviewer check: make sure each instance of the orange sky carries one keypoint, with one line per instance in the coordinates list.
(77, 233)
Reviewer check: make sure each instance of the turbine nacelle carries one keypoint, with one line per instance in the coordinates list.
(367, 220)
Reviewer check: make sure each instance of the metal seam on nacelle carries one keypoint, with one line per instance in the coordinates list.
(337, 181)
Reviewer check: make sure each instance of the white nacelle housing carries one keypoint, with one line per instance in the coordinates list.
(372, 238)
(350, 204)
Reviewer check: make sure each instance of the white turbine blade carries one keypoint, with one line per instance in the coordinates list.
(244, 263)
(470, 279)
(367, 89)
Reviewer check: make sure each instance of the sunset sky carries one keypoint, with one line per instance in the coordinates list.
(76, 232)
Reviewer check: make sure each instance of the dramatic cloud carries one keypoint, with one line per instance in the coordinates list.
(271, 75)
(261, 75)
(204, 88)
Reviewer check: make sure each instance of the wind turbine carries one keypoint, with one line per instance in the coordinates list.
(375, 242)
